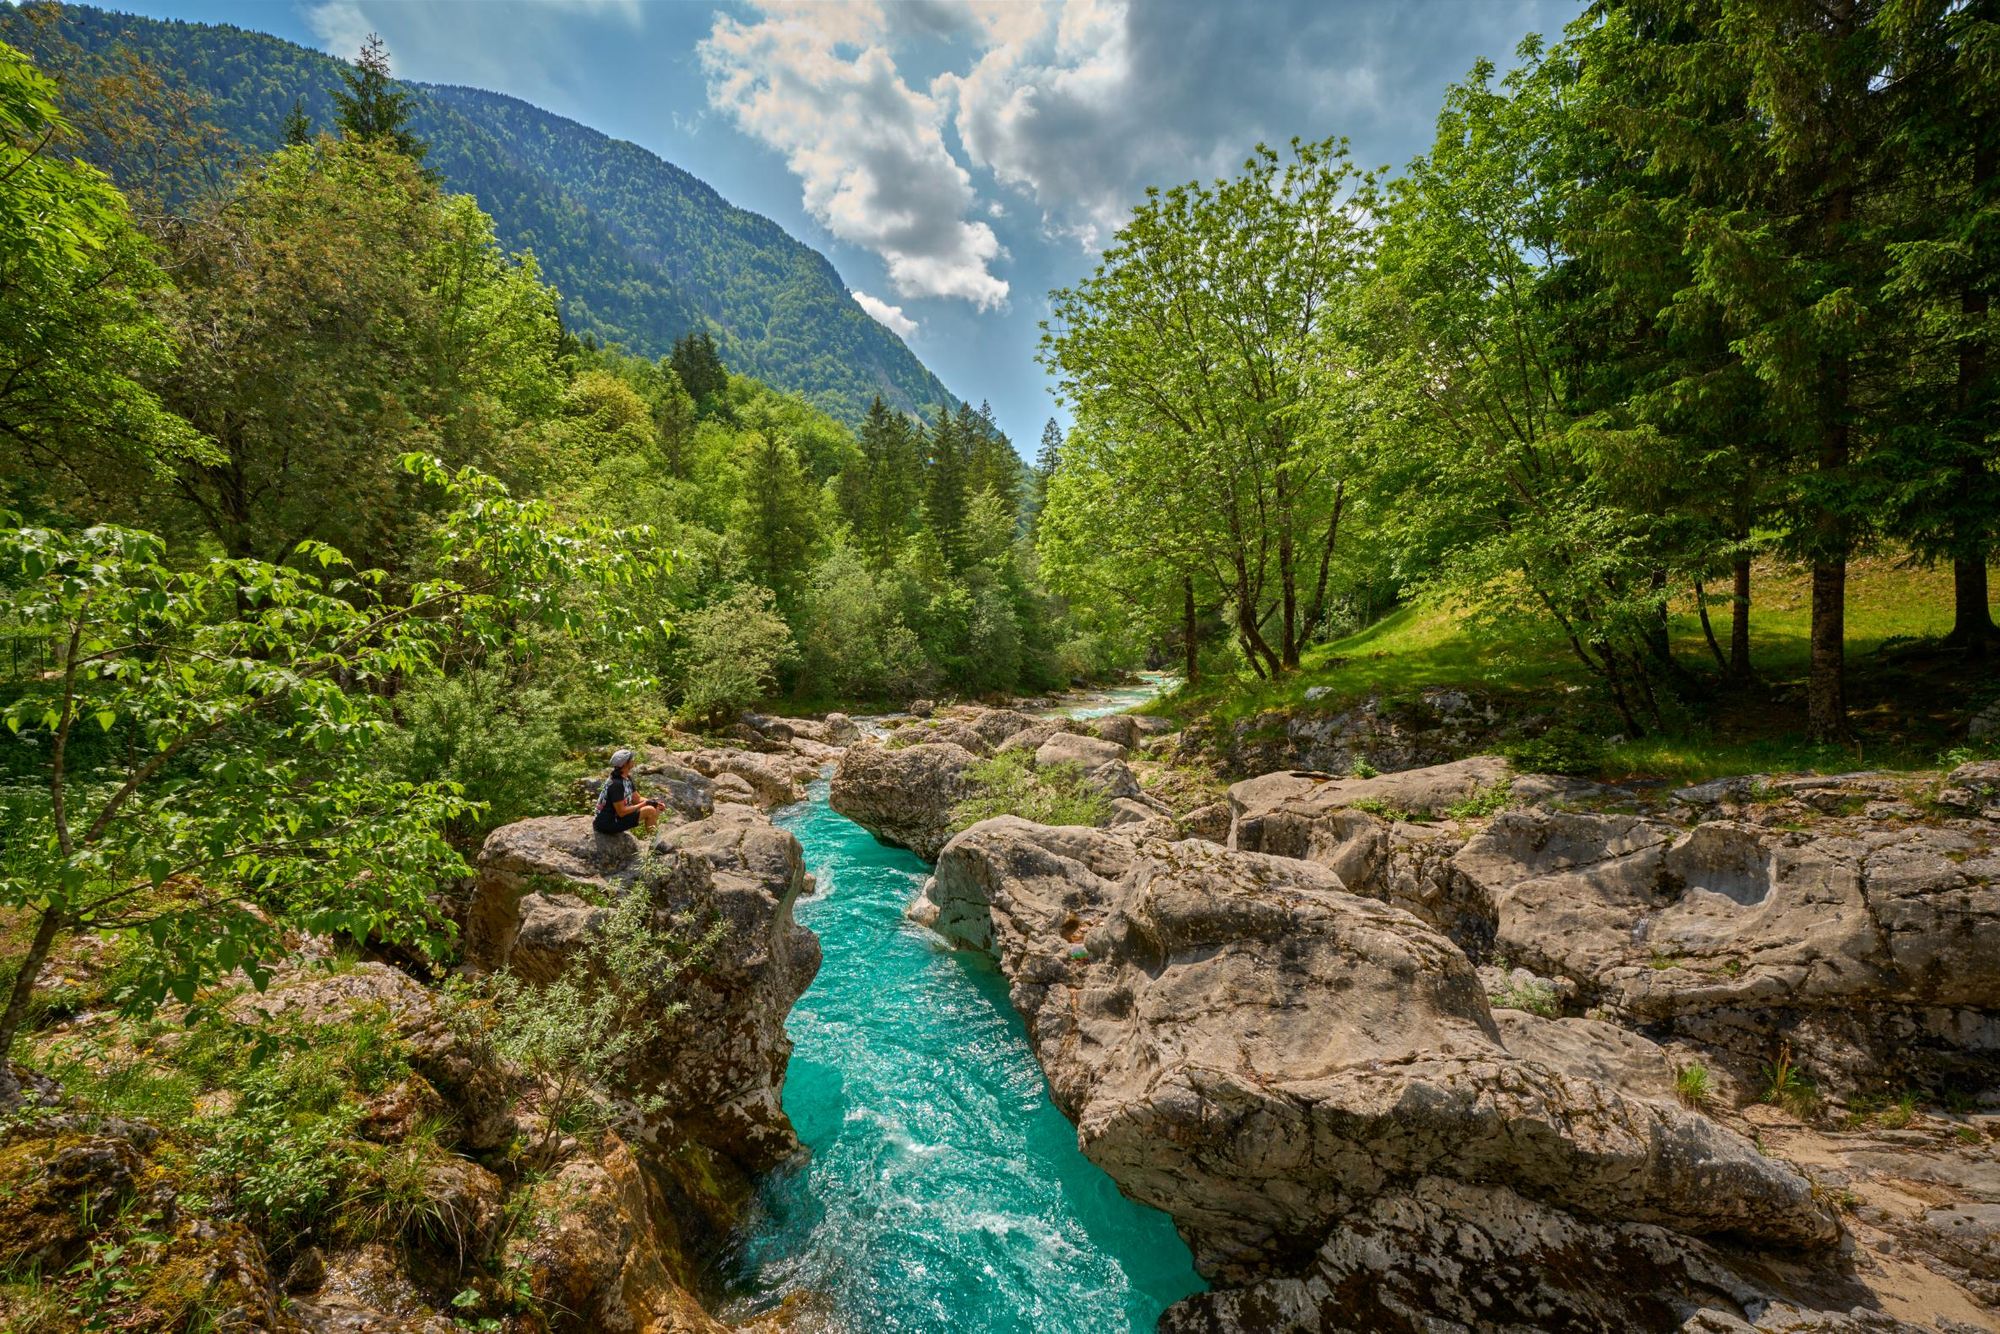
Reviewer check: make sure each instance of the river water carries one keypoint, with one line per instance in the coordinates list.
(944, 1191)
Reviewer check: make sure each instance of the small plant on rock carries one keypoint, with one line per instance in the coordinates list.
(1786, 1086)
(1536, 997)
(1361, 768)
(1694, 1086)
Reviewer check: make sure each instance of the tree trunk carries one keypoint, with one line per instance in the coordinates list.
(1288, 584)
(1708, 628)
(1739, 623)
(1972, 616)
(24, 988)
(1826, 689)
(1190, 641)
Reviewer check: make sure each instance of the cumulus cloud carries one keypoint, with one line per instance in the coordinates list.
(340, 26)
(889, 317)
(819, 83)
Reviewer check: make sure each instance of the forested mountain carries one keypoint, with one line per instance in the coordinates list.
(641, 251)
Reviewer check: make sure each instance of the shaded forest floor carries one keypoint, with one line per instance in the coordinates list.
(1910, 696)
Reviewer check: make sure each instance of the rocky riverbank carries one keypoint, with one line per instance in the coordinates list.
(1460, 1048)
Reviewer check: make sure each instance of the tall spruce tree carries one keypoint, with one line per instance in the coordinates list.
(371, 106)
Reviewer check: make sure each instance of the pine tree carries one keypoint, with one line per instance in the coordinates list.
(701, 371)
(1047, 459)
(371, 106)
(945, 496)
(298, 125)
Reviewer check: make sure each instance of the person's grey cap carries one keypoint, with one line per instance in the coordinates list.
(619, 757)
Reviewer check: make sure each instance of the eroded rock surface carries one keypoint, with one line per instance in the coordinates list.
(719, 1068)
(903, 796)
(1262, 1054)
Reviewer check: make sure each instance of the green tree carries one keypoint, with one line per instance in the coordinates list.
(731, 653)
(1192, 349)
(298, 125)
(777, 516)
(77, 417)
(701, 371)
(338, 311)
(945, 489)
(205, 768)
(371, 107)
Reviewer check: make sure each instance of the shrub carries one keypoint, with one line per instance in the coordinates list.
(575, 1035)
(730, 655)
(1361, 768)
(1481, 801)
(1560, 750)
(1010, 784)
(498, 739)
(1785, 1085)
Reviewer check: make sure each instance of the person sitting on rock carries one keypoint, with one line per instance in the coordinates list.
(619, 805)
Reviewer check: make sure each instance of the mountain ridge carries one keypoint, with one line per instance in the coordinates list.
(640, 249)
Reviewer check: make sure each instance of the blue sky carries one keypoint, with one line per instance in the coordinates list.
(956, 159)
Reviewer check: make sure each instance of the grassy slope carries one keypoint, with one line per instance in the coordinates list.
(1909, 700)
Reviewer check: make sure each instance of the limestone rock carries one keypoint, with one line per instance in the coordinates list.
(1425, 792)
(1177, 1048)
(720, 1066)
(1875, 955)
(903, 796)
(777, 779)
(841, 730)
(1087, 753)
(951, 731)
(659, 774)
(1973, 788)
(1119, 729)
(1448, 1257)
(996, 725)
(1209, 823)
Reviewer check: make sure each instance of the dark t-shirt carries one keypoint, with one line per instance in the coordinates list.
(616, 788)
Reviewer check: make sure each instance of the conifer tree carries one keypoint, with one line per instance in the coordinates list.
(945, 494)
(701, 371)
(298, 126)
(372, 107)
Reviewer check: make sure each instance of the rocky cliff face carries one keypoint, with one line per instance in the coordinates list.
(1289, 1044)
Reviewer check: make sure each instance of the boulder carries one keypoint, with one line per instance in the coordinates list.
(1425, 792)
(731, 790)
(952, 731)
(921, 708)
(717, 1070)
(777, 779)
(1453, 1257)
(841, 730)
(1973, 788)
(658, 773)
(1176, 1047)
(549, 851)
(903, 797)
(1209, 823)
(1031, 737)
(1085, 752)
(996, 725)
(1119, 729)
(1874, 954)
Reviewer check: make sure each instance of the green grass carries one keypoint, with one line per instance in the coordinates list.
(1908, 704)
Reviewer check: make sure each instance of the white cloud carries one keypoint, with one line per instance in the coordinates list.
(889, 317)
(819, 83)
(340, 26)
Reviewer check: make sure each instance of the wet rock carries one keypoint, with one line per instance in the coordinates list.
(1176, 1049)
(903, 797)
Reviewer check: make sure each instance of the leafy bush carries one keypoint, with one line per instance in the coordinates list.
(731, 653)
(499, 740)
(1481, 802)
(1560, 750)
(574, 1035)
(1536, 997)
(1010, 784)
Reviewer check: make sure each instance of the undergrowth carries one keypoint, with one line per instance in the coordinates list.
(1010, 784)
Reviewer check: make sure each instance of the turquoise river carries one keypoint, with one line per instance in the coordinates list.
(944, 1191)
